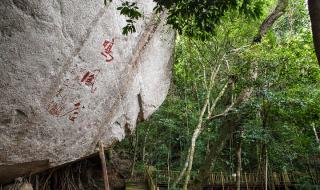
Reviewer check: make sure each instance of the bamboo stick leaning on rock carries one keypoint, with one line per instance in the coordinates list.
(103, 166)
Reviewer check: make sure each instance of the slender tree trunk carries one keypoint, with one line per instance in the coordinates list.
(198, 129)
(136, 138)
(224, 134)
(188, 163)
(144, 146)
(315, 133)
(264, 113)
(195, 135)
(231, 122)
(314, 12)
(192, 150)
(183, 171)
(168, 168)
(266, 169)
(239, 161)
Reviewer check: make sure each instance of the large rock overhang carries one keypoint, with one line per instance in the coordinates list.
(69, 79)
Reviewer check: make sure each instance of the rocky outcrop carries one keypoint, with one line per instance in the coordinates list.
(69, 79)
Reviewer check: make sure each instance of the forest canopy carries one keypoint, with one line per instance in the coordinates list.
(199, 19)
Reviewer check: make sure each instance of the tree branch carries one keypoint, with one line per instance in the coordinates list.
(268, 22)
(210, 109)
(223, 114)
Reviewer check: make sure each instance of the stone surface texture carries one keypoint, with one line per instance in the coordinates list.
(59, 94)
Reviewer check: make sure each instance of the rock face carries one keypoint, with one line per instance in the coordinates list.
(69, 79)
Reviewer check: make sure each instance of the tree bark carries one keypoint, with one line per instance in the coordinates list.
(268, 22)
(314, 12)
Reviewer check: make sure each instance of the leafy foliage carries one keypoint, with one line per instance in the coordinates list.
(199, 18)
(132, 12)
(129, 10)
(194, 18)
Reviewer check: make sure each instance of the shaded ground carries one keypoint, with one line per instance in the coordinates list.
(85, 174)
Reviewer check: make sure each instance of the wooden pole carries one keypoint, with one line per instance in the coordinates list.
(37, 182)
(104, 166)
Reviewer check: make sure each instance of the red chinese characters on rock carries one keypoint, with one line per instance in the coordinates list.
(55, 109)
(73, 114)
(107, 50)
(60, 105)
(89, 79)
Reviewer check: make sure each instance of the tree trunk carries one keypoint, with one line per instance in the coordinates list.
(144, 146)
(264, 114)
(197, 131)
(136, 138)
(183, 171)
(192, 150)
(231, 122)
(266, 169)
(314, 12)
(188, 163)
(168, 167)
(316, 135)
(195, 135)
(239, 160)
(224, 134)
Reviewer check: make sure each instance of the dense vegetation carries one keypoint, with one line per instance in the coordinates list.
(236, 105)
(199, 18)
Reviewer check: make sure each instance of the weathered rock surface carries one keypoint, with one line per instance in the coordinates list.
(69, 78)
